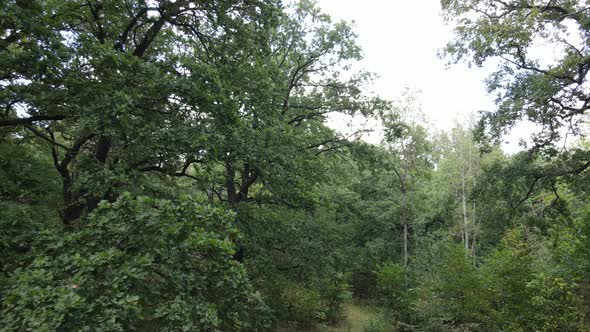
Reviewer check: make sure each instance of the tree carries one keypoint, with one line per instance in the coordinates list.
(550, 91)
(28, 203)
(138, 263)
(529, 286)
(408, 154)
(115, 87)
(450, 295)
(224, 100)
(457, 170)
(274, 130)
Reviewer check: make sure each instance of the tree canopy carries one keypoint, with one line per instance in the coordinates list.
(543, 61)
(170, 166)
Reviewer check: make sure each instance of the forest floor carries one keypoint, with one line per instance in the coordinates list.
(356, 319)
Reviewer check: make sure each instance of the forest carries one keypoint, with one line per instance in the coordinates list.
(168, 165)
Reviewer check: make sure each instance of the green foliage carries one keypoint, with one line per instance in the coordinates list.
(305, 306)
(335, 292)
(291, 254)
(381, 322)
(392, 286)
(560, 296)
(120, 119)
(137, 264)
(551, 93)
(508, 271)
(302, 305)
(529, 288)
(29, 196)
(224, 100)
(450, 294)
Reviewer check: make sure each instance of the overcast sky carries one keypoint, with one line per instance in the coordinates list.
(400, 40)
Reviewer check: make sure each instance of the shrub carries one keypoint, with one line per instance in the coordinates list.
(450, 296)
(530, 288)
(333, 295)
(302, 305)
(381, 322)
(391, 285)
(137, 264)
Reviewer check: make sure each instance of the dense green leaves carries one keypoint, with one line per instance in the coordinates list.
(548, 90)
(112, 100)
(167, 165)
(137, 264)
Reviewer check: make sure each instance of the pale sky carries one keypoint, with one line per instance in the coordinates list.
(400, 40)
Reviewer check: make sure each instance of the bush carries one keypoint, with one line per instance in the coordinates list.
(391, 285)
(530, 288)
(333, 294)
(29, 197)
(297, 262)
(302, 305)
(450, 296)
(137, 264)
(381, 322)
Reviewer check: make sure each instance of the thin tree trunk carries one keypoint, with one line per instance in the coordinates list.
(472, 171)
(406, 256)
(475, 224)
(473, 248)
(465, 222)
(405, 244)
(405, 226)
(475, 229)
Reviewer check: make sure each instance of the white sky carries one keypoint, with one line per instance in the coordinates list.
(400, 40)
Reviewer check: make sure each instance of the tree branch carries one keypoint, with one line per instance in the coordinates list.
(30, 120)
(45, 138)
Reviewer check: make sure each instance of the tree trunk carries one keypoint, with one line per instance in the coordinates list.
(404, 224)
(465, 222)
(73, 208)
(405, 243)
(230, 183)
(475, 229)
(473, 248)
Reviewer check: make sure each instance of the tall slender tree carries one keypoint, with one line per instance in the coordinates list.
(408, 149)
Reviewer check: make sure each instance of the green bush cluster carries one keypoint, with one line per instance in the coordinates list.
(525, 284)
(302, 305)
(177, 273)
